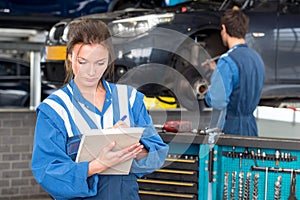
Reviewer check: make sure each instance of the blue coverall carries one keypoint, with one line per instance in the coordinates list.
(61, 120)
(236, 86)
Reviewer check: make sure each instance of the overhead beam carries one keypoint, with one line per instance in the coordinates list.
(21, 45)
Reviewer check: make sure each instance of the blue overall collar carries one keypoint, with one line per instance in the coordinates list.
(79, 98)
(239, 45)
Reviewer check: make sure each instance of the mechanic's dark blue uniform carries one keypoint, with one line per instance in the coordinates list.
(236, 87)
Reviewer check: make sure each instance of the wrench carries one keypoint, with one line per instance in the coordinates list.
(266, 183)
(293, 186)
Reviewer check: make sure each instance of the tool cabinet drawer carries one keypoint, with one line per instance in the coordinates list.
(168, 186)
(175, 175)
(177, 179)
(184, 162)
(150, 195)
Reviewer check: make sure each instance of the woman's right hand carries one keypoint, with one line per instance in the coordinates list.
(108, 158)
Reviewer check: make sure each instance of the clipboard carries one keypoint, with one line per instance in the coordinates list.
(95, 139)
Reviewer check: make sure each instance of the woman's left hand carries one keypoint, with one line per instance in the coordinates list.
(142, 154)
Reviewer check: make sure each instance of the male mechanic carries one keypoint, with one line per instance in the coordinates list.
(237, 81)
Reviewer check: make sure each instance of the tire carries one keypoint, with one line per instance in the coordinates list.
(187, 62)
(188, 59)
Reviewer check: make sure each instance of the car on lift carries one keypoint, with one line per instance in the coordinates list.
(162, 51)
(15, 83)
(36, 14)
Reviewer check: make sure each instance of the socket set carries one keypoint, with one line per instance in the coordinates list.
(245, 173)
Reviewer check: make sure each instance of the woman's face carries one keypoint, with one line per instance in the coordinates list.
(89, 62)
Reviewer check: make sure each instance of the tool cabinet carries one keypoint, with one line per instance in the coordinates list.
(232, 167)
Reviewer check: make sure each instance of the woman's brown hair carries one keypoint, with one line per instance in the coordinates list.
(89, 31)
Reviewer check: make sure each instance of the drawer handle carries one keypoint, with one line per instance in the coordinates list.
(175, 171)
(166, 182)
(180, 160)
(166, 194)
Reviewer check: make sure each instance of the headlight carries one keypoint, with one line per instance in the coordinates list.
(56, 32)
(64, 36)
(137, 25)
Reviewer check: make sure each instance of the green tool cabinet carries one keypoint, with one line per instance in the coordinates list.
(232, 167)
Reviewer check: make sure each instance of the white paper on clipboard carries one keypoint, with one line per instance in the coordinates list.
(94, 140)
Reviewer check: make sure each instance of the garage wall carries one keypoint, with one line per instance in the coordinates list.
(16, 141)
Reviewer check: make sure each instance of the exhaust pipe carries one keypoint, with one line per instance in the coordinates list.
(201, 90)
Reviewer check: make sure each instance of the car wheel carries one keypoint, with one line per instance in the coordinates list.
(188, 60)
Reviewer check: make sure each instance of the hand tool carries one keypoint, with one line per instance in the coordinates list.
(246, 152)
(255, 187)
(210, 165)
(289, 156)
(225, 189)
(264, 156)
(266, 183)
(241, 180)
(277, 155)
(254, 157)
(293, 186)
(241, 159)
(258, 154)
(210, 60)
(247, 187)
(282, 156)
(233, 185)
(277, 195)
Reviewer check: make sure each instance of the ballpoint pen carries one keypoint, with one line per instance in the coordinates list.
(123, 118)
(121, 121)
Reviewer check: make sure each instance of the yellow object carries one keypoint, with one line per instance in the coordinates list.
(56, 52)
(172, 171)
(160, 102)
(235, 8)
(180, 160)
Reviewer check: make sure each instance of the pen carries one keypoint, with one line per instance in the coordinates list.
(123, 118)
(120, 121)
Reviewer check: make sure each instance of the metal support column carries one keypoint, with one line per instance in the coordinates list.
(35, 80)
